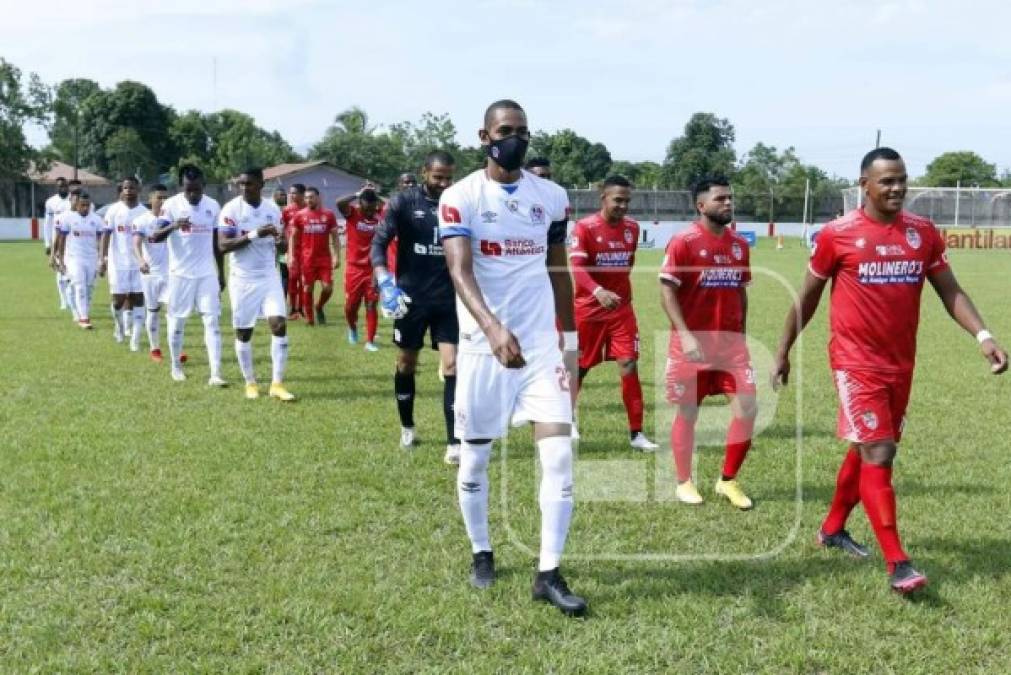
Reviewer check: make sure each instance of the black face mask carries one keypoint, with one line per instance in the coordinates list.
(508, 152)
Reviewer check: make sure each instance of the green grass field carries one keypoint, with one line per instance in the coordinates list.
(149, 526)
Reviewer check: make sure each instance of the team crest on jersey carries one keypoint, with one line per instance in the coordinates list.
(513, 205)
(537, 214)
(704, 253)
(736, 250)
(629, 238)
(229, 222)
(207, 212)
(913, 237)
(860, 243)
(870, 420)
(489, 217)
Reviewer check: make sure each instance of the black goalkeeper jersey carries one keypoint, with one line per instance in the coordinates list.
(412, 218)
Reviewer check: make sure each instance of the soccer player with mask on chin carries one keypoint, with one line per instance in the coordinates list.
(878, 258)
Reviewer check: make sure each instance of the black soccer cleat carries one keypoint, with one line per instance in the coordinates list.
(843, 541)
(320, 316)
(482, 570)
(904, 579)
(551, 588)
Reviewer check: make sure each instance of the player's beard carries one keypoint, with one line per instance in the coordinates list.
(720, 218)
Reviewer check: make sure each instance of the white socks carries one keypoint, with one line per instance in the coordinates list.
(472, 491)
(63, 288)
(212, 339)
(153, 329)
(555, 498)
(82, 300)
(117, 320)
(138, 324)
(278, 357)
(176, 327)
(244, 352)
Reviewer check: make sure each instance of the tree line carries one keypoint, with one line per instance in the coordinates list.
(126, 130)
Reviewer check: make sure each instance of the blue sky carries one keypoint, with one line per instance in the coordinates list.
(821, 76)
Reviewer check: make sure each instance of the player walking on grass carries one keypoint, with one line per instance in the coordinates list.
(124, 273)
(76, 254)
(188, 221)
(503, 230)
(249, 228)
(152, 261)
(703, 281)
(54, 206)
(362, 221)
(878, 257)
(421, 299)
(602, 255)
(314, 233)
(296, 202)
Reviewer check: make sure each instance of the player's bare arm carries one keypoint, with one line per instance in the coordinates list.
(335, 249)
(162, 233)
(103, 258)
(460, 262)
(59, 250)
(561, 286)
(672, 308)
(138, 253)
(961, 308)
(386, 231)
(796, 319)
(344, 203)
(227, 244)
(744, 309)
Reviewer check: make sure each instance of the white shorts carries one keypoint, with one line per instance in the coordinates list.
(80, 272)
(185, 293)
(255, 299)
(155, 290)
(489, 396)
(122, 282)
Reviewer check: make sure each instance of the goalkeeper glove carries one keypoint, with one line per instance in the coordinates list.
(393, 300)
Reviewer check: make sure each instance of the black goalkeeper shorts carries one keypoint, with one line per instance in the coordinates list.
(409, 332)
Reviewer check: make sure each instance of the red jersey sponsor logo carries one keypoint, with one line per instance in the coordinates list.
(450, 214)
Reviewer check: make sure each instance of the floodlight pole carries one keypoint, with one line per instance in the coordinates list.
(958, 194)
(807, 199)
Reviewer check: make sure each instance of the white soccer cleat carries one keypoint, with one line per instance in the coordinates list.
(640, 442)
(687, 494)
(134, 345)
(371, 347)
(216, 381)
(452, 454)
(407, 438)
(575, 432)
(117, 335)
(178, 375)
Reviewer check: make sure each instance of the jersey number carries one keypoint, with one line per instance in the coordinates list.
(563, 378)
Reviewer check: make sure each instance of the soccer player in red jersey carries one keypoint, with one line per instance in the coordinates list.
(704, 276)
(877, 257)
(296, 202)
(602, 253)
(362, 221)
(314, 233)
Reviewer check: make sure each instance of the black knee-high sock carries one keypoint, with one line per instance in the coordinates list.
(403, 387)
(448, 395)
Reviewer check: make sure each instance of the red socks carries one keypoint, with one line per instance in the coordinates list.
(307, 304)
(371, 322)
(631, 394)
(847, 493)
(682, 443)
(738, 444)
(878, 499)
(351, 314)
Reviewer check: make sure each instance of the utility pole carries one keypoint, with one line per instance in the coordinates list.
(877, 142)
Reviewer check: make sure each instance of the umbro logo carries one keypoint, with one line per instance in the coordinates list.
(419, 213)
(489, 217)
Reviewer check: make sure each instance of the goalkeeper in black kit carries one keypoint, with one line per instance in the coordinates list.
(421, 298)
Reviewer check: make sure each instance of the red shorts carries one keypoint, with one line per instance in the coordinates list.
(608, 339)
(317, 270)
(690, 382)
(872, 405)
(358, 285)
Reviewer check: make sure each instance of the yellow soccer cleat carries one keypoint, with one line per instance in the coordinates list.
(733, 492)
(278, 391)
(252, 391)
(687, 494)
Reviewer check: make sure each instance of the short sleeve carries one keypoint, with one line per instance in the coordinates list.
(823, 255)
(674, 259)
(61, 224)
(577, 243)
(226, 222)
(746, 263)
(454, 215)
(938, 261)
(331, 221)
(107, 220)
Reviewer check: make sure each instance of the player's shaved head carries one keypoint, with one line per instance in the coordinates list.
(439, 157)
(312, 190)
(503, 104)
(438, 172)
(878, 153)
(61, 181)
(73, 181)
(254, 172)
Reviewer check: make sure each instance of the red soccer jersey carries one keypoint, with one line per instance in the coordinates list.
(359, 232)
(287, 217)
(711, 274)
(602, 255)
(314, 228)
(877, 271)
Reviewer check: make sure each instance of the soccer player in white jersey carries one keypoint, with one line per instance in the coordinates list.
(503, 231)
(188, 221)
(76, 251)
(152, 261)
(250, 229)
(124, 272)
(55, 205)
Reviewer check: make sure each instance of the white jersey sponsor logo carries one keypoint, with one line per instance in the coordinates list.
(156, 254)
(191, 247)
(119, 221)
(239, 218)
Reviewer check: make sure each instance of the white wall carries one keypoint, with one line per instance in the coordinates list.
(17, 228)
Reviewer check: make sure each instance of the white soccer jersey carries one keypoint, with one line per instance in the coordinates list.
(507, 225)
(82, 236)
(156, 254)
(119, 220)
(191, 248)
(257, 259)
(55, 205)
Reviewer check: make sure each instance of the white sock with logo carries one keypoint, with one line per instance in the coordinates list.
(212, 339)
(555, 498)
(176, 328)
(472, 491)
(153, 329)
(244, 352)
(278, 357)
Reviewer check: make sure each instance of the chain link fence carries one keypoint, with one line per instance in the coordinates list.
(952, 207)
